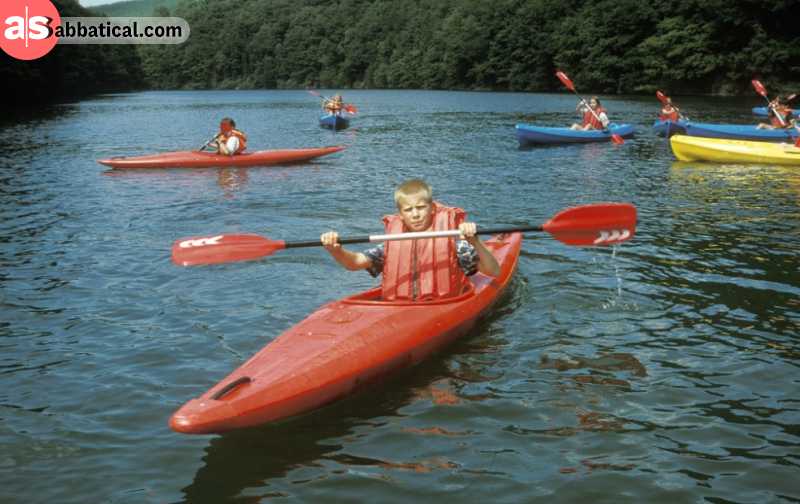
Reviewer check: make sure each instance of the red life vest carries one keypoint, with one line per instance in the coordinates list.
(671, 115)
(423, 269)
(786, 114)
(589, 118)
(238, 134)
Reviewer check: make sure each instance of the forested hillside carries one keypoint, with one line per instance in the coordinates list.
(609, 46)
(606, 46)
(134, 8)
(70, 71)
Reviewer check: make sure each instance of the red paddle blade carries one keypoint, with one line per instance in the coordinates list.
(661, 97)
(222, 248)
(351, 108)
(617, 139)
(593, 225)
(760, 89)
(565, 80)
(797, 143)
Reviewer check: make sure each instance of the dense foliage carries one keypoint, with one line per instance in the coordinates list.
(611, 46)
(134, 8)
(70, 70)
(608, 46)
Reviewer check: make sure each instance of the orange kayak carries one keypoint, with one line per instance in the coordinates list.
(198, 159)
(341, 347)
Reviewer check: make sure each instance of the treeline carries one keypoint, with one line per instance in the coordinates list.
(134, 8)
(608, 46)
(70, 71)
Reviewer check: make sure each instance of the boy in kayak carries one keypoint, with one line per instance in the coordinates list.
(420, 269)
(597, 120)
(229, 140)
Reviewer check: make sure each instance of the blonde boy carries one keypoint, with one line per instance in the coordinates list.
(426, 268)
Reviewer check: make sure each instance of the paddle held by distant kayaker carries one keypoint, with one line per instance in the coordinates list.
(420, 269)
(229, 140)
(594, 115)
(780, 115)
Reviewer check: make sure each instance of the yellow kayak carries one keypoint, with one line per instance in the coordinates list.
(689, 148)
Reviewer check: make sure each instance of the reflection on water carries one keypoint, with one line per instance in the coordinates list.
(232, 180)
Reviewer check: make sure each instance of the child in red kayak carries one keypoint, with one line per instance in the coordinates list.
(229, 140)
(597, 120)
(421, 269)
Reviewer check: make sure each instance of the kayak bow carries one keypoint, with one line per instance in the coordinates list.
(341, 347)
(718, 150)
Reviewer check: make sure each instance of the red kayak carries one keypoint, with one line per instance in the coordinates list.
(199, 159)
(341, 347)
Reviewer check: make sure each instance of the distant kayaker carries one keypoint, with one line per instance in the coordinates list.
(229, 140)
(420, 269)
(333, 105)
(595, 118)
(668, 111)
(780, 115)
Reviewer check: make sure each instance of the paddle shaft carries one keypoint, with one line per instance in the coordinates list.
(586, 104)
(775, 111)
(325, 98)
(412, 236)
(760, 89)
(569, 85)
(208, 142)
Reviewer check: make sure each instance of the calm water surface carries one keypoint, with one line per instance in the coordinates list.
(663, 371)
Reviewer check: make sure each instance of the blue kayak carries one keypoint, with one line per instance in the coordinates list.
(762, 111)
(528, 134)
(334, 121)
(740, 132)
(669, 128)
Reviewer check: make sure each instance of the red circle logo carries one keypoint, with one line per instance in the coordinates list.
(27, 28)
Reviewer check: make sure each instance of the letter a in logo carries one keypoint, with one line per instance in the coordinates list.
(27, 28)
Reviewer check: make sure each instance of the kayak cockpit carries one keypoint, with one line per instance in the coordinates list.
(373, 297)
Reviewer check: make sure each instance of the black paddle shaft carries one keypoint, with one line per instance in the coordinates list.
(366, 238)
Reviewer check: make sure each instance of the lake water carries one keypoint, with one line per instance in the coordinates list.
(664, 371)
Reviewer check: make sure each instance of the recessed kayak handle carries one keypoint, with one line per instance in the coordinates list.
(232, 385)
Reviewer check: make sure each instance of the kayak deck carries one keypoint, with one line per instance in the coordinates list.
(341, 347)
(739, 132)
(199, 159)
(718, 150)
(664, 128)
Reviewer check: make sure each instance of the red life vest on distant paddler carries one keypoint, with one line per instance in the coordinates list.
(589, 118)
(786, 114)
(670, 115)
(238, 134)
(423, 269)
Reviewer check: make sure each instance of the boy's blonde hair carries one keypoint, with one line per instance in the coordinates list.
(414, 186)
